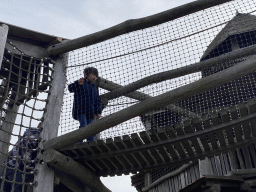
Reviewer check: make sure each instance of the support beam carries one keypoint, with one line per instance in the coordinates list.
(6, 131)
(45, 176)
(69, 166)
(133, 25)
(3, 37)
(167, 75)
(160, 101)
(111, 86)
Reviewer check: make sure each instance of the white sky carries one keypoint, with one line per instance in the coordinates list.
(75, 18)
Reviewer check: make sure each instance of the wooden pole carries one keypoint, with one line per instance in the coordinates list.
(5, 130)
(3, 37)
(111, 86)
(133, 25)
(178, 94)
(167, 75)
(69, 166)
(45, 176)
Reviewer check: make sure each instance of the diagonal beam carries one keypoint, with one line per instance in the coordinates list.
(160, 101)
(111, 86)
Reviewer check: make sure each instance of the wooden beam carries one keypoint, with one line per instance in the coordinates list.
(45, 176)
(3, 37)
(167, 75)
(111, 86)
(133, 25)
(160, 101)
(6, 132)
(69, 166)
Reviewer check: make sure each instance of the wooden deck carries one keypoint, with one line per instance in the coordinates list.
(186, 141)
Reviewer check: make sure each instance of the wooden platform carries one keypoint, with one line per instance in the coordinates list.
(186, 141)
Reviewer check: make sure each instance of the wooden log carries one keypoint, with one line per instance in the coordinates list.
(69, 166)
(133, 25)
(167, 75)
(45, 176)
(3, 37)
(178, 94)
(6, 131)
(111, 86)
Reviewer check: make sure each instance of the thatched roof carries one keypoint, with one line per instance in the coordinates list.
(241, 23)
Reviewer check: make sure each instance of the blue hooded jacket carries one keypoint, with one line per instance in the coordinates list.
(86, 99)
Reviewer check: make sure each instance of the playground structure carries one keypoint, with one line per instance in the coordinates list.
(164, 120)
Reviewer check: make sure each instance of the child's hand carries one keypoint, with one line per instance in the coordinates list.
(81, 81)
(99, 116)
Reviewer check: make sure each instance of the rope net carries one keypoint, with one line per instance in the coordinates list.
(25, 84)
(130, 58)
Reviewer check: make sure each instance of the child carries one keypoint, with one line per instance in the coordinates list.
(86, 98)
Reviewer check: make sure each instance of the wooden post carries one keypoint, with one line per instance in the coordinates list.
(178, 94)
(205, 167)
(45, 176)
(4, 132)
(133, 25)
(3, 37)
(69, 166)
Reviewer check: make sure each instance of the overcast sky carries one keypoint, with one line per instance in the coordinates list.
(75, 18)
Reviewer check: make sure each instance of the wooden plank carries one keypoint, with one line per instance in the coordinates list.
(253, 153)
(240, 157)
(162, 135)
(251, 104)
(198, 126)
(121, 145)
(211, 137)
(247, 157)
(170, 131)
(138, 155)
(189, 129)
(186, 144)
(243, 111)
(229, 131)
(138, 142)
(220, 135)
(154, 138)
(146, 139)
(237, 128)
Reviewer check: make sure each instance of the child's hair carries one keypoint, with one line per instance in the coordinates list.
(91, 70)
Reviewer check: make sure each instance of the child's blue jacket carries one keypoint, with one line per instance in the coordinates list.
(86, 99)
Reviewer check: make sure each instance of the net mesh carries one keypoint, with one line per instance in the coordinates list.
(25, 84)
(130, 57)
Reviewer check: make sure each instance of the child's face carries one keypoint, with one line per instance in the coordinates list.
(92, 77)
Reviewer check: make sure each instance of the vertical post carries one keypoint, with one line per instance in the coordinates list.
(3, 37)
(5, 129)
(45, 176)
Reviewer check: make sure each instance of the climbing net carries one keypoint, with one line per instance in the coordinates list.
(131, 57)
(25, 85)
